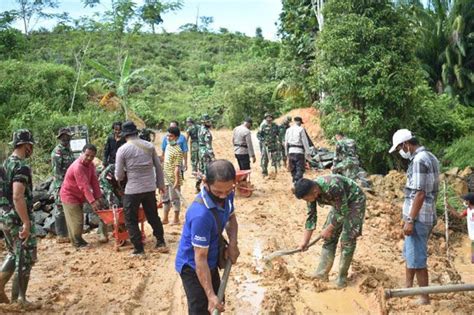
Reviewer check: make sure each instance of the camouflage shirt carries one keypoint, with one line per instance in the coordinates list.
(346, 149)
(342, 194)
(205, 140)
(193, 132)
(61, 158)
(269, 134)
(282, 132)
(17, 170)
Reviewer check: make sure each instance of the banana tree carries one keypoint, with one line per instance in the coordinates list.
(117, 83)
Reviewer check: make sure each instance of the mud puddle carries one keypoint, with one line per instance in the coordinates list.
(330, 302)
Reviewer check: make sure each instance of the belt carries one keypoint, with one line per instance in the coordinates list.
(295, 146)
(240, 145)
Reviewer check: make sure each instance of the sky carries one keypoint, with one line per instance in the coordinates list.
(236, 15)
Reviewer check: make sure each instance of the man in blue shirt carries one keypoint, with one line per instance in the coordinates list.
(182, 142)
(198, 252)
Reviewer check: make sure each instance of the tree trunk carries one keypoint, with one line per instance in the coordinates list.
(79, 68)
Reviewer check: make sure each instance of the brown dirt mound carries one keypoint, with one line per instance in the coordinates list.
(312, 124)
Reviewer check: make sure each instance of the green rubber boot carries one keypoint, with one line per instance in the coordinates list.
(344, 264)
(325, 264)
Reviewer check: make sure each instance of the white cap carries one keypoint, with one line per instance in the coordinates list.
(399, 137)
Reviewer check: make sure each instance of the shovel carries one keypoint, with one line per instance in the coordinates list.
(285, 252)
(225, 279)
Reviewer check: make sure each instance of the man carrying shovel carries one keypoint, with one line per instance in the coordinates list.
(345, 220)
(199, 249)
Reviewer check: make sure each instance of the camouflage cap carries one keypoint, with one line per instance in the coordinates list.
(268, 115)
(205, 118)
(22, 136)
(288, 119)
(189, 119)
(64, 131)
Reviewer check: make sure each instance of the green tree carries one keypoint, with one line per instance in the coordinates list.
(445, 46)
(365, 62)
(30, 11)
(152, 10)
(119, 83)
(297, 29)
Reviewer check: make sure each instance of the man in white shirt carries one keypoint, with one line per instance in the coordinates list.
(242, 141)
(297, 149)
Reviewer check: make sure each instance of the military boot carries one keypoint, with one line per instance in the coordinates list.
(6, 273)
(344, 264)
(325, 264)
(19, 295)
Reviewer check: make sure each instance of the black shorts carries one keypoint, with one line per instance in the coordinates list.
(197, 299)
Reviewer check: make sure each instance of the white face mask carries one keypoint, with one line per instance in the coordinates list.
(405, 155)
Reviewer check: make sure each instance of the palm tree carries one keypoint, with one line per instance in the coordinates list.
(119, 84)
(445, 30)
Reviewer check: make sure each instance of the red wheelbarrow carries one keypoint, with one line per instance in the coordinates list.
(243, 186)
(116, 218)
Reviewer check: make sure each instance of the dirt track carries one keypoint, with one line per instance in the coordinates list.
(99, 280)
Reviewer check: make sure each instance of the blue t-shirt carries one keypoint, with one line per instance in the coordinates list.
(183, 144)
(200, 230)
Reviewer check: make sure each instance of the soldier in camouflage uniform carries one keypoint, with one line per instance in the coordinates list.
(192, 131)
(16, 218)
(112, 194)
(346, 160)
(282, 132)
(206, 153)
(61, 158)
(268, 135)
(345, 219)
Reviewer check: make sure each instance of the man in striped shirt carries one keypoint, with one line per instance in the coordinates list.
(419, 208)
(173, 175)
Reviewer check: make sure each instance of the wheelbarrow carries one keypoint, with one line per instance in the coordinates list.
(243, 186)
(116, 218)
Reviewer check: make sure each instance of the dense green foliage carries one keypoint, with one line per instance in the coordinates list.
(445, 46)
(228, 75)
(297, 29)
(369, 67)
(461, 152)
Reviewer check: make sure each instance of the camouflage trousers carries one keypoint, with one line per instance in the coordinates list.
(58, 211)
(205, 158)
(348, 230)
(11, 226)
(274, 155)
(194, 156)
(282, 153)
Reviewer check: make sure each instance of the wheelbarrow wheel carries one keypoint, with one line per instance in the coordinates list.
(245, 189)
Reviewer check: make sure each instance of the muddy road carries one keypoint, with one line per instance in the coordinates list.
(98, 280)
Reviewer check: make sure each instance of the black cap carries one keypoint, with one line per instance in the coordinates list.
(128, 128)
(248, 120)
(469, 197)
(297, 118)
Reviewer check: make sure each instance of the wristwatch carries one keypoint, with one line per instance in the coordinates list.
(410, 220)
